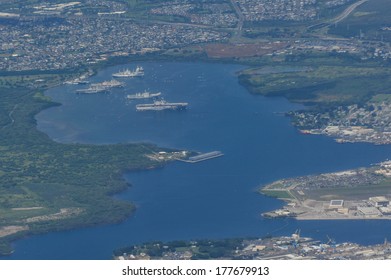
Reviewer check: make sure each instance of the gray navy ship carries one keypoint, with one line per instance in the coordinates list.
(109, 84)
(143, 95)
(160, 105)
(101, 87)
(139, 72)
(92, 89)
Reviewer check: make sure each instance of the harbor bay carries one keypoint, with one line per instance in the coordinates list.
(211, 199)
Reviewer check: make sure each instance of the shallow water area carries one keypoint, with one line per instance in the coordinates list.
(210, 199)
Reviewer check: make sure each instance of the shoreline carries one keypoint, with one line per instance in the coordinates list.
(356, 194)
(164, 59)
(41, 216)
(18, 232)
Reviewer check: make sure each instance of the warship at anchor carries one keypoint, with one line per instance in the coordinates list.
(139, 72)
(160, 105)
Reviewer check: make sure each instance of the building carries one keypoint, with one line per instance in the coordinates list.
(379, 201)
(336, 204)
(369, 212)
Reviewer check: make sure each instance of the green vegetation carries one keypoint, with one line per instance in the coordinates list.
(32, 80)
(293, 29)
(381, 98)
(140, 9)
(367, 22)
(283, 194)
(196, 250)
(354, 192)
(320, 85)
(50, 186)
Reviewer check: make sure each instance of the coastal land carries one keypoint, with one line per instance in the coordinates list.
(50, 186)
(346, 102)
(294, 247)
(352, 194)
(332, 56)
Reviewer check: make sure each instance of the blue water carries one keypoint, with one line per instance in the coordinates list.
(211, 199)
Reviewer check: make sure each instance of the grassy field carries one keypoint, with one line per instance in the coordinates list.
(277, 194)
(32, 81)
(352, 191)
(359, 192)
(140, 9)
(381, 98)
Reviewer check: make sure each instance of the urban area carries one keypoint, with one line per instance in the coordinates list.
(294, 247)
(73, 34)
(354, 123)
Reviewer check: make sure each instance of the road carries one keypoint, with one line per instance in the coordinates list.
(11, 118)
(348, 11)
(239, 28)
(338, 18)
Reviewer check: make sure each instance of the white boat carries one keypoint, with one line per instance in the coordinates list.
(139, 72)
(77, 82)
(143, 95)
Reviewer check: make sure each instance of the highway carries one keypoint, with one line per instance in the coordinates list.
(348, 11)
(338, 18)
(238, 33)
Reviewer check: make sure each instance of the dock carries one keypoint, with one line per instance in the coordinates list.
(202, 157)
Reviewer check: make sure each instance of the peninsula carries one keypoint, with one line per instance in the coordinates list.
(351, 194)
(48, 186)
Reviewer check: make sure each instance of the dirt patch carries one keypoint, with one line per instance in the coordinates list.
(242, 50)
(26, 208)
(63, 214)
(8, 230)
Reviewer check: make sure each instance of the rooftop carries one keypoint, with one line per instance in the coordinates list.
(336, 203)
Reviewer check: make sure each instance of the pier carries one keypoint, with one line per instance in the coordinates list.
(202, 157)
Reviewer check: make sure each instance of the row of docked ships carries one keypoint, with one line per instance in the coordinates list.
(101, 87)
(107, 85)
(157, 105)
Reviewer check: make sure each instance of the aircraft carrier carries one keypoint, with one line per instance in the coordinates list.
(161, 105)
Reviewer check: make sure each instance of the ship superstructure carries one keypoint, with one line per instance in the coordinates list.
(77, 81)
